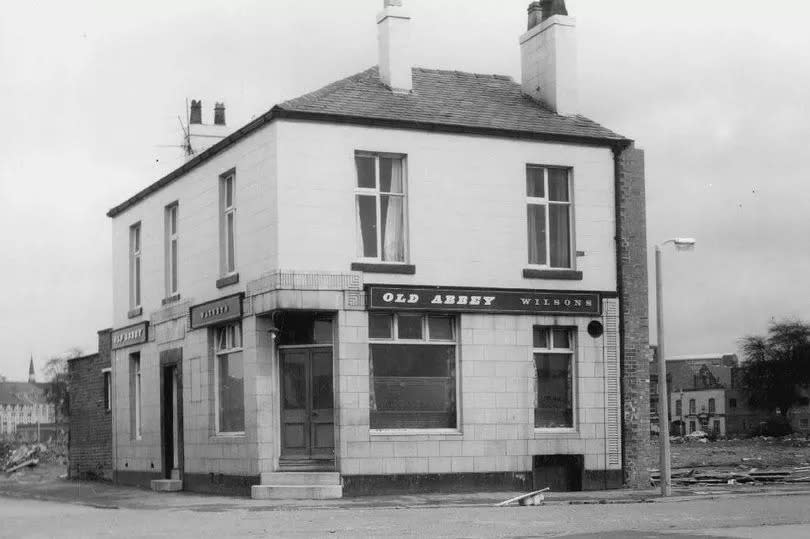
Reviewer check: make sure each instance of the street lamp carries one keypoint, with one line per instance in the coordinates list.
(681, 244)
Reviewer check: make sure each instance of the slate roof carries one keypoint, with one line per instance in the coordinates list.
(21, 393)
(447, 98)
(443, 101)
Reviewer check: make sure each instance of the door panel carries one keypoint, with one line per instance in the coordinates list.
(307, 403)
(295, 409)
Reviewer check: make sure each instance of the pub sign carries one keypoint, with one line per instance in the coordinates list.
(484, 300)
(130, 335)
(216, 311)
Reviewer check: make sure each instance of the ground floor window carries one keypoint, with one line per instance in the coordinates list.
(554, 364)
(135, 395)
(230, 385)
(412, 362)
(692, 426)
(716, 426)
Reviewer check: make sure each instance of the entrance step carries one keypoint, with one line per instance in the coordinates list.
(298, 486)
(300, 478)
(166, 485)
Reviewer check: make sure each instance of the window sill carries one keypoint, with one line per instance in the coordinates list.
(540, 432)
(171, 299)
(227, 437)
(414, 432)
(558, 274)
(135, 313)
(366, 267)
(228, 280)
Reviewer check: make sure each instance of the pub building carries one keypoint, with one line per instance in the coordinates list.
(409, 280)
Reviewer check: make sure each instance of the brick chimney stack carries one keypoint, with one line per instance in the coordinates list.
(549, 57)
(195, 115)
(219, 114)
(393, 47)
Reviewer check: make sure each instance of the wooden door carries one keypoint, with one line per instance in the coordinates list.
(307, 408)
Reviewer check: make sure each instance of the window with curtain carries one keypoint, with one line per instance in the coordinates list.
(230, 386)
(381, 199)
(412, 361)
(548, 199)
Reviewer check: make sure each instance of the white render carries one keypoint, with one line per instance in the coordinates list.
(548, 55)
(295, 212)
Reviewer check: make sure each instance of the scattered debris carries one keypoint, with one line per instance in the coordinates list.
(26, 455)
(530, 498)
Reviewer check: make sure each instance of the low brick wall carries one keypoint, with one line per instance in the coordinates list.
(90, 446)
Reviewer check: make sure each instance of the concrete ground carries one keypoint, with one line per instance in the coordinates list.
(39, 506)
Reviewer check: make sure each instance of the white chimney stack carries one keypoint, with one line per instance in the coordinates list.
(393, 45)
(549, 57)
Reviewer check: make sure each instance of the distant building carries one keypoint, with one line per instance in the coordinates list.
(23, 403)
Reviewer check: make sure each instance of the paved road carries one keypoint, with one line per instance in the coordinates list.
(748, 516)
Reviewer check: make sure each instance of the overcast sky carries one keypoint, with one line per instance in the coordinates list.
(715, 91)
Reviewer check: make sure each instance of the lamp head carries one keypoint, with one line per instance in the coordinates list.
(684, 244)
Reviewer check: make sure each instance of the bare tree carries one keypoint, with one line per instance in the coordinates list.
(56, 388)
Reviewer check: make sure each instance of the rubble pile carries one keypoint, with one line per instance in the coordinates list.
(16, 456)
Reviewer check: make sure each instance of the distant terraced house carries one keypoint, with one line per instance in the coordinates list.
(23, 403)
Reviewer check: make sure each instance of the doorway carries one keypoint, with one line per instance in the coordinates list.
(307, 407)
(171, 413)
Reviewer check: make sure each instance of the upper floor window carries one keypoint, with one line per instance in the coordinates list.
(135, 265)
(548, 199)
(712, 406)
(678, 410)
(732, 403)
(171, 255)
(554, 364)
(227, 204)
(381, 199)
(691, 406)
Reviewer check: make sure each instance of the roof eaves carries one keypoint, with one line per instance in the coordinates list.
(292, 114)
(217, 148)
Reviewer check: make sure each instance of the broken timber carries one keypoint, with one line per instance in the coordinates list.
(522, 497)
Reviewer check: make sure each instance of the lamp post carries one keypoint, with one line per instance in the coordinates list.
(681, 244)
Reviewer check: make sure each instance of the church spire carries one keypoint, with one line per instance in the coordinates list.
(32, 378)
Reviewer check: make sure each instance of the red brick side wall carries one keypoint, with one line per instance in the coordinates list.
(634, 328)
(90, 447)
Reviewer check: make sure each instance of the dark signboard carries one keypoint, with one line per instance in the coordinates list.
(483, 300)
(130, 335)
(216, 311)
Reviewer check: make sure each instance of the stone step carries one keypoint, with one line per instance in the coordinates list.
(300, 478)
(296, 492)
(166, 485)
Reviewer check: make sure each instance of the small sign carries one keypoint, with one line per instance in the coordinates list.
(130, 335)
(483, 300)
(216, 311)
